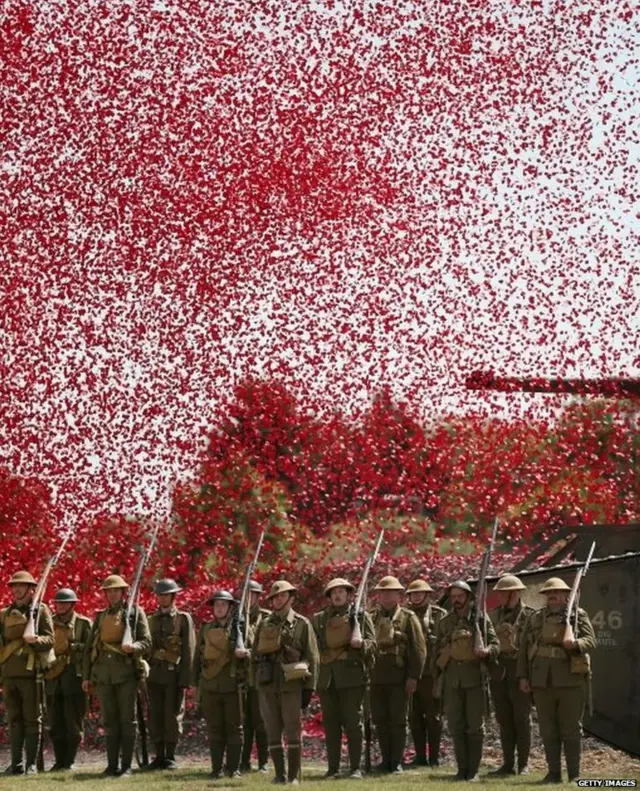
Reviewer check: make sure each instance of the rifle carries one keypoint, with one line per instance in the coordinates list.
(134, 592)
(572, 601)
(480, 636)
(356, 635)
(244, 596)
(358, 608)
(33, 616)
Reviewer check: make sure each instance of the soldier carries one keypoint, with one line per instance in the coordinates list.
(171, 663)
(253, 723)
(219, 669)
(460, 678)
(22, 660)
(554, 663)
(425, 719)
(66, 701)
(344, 664)
(512, 706)
(285, 667)
(115, 669)
(401, 655)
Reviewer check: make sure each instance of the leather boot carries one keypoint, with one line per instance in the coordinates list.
(333, 742)
(572, 752)
(31, 745)
(354, 748)
(233, 759)
(73, 743)
(127, 747)
(158, 761)
(16, 736)
(474, 756)
(419, 736)
(523, 743)
(263, 748)
(396, 753)
(553, 753)
(435, 737)
(216, 750)
(59, 754)
(113, 754)
(294, 761)
(277, 756)
(384, 743)
(170, 756)
(460, 752)
(508, 755)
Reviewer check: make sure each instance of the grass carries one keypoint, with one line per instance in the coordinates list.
(194, 777)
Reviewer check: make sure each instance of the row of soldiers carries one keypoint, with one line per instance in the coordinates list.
(409, 658)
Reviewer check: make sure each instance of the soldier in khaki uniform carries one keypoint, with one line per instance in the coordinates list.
(285, 666)
(425, 719)
(554, 663)
(344, 666)
(170, 669)
(253, 723)
(116, 669)
(461, 677)
(401, 655)
(23, 658)
(512, 706)
(66, 701)
(219, 671)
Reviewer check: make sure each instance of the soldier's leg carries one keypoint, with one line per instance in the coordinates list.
(111, 722)
(56, 724)
(233, 728)
(272, 718)
(521, 708)
(433, 720)
(570, 713)
(260, 731)
(546, 703)
(330, 704)
(212, 710)
(174, 715)
(249, 730)
(32, 714)
(292, 722)
(454, 710)
(351, 702)
(503, 709)
(379, 698)
(75, 710)
(156, 695)
(12, 698)
(399, 708)
(418, 722)
(474, 717)
(126, 694)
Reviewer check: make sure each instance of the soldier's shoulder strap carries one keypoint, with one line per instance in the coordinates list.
(435, 608)
(265, 613)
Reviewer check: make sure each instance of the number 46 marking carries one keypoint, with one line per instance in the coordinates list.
(613, 620)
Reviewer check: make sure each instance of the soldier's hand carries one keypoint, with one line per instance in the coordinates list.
(525, 686)
(570, 643)
(411, 686)
(356, 644)
(481, 653)
(31, 639)
(128, 649)
(241, 653)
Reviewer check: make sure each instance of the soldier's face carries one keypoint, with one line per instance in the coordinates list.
(254, 598)
(63, 608)
(557, 600)
(114, 596)
(508, 599)
(338, 596)
(390, 599)
(221, 609)
(280, 601)
(165, 600)
(21, 592)
(459, 599)
(418, 598)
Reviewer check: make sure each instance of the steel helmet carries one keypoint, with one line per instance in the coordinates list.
(113, 582)
(419, 586)
(65, 595)
(338, 582)
(281, 586)
(462, 585)
(22, 578)
(554, 584)
(222, 595)
(165, 586)
(509, 582)
(389, 584)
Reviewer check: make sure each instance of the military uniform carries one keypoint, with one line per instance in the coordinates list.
(253, 722)
(21, 664)
(425, 720)
(512, 706)
(461, 679)
(170, 671)
(285, 667)
(401, 655)
(559, 681)
(218, 676)
(342, 678)
(66, 700)
(116, 675)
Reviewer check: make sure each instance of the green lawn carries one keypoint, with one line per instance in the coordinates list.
(194, 777)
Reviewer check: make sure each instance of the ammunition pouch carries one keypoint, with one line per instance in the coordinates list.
(550, 652)
(385, 633)
(269, 639)
(462, 646)
(10, 649)
(57, 668)
(580, 664)
(290, 654)
(507, 635)
(552, 631)
(295, 671)
(61, 641)
(15, 622)
(112, 628)
(264, 671)
(216, 652)
(338, 632)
